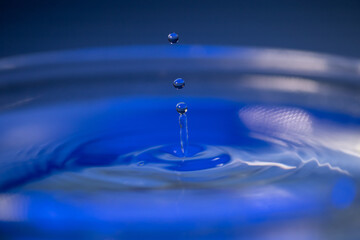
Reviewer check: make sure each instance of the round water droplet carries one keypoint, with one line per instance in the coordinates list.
(181, 107)
(173, 38)
(179, 83)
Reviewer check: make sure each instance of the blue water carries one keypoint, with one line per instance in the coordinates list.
(90, 146)
(113, 167)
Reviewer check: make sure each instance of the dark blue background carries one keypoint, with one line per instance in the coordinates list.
(43, 25)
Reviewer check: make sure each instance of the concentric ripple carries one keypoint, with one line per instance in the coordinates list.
(88, 148)
(89, 167)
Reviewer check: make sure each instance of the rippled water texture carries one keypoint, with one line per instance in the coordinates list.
(133, 143)
(250, 162)
(93, 157)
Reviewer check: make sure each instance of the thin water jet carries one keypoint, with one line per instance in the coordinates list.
(181, 108)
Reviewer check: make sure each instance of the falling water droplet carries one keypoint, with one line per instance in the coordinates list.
(181, 107)
(179, 83)
(173, 38)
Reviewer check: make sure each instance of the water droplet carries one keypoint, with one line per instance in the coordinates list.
(173, 38)
(181, 107)
(220, 165)
(141, 163)
(179, 83)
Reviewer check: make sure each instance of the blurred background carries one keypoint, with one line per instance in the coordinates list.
(42, 25)
(86, 136)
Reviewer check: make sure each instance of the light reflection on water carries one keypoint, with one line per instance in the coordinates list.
(256, 166)
(279, 160)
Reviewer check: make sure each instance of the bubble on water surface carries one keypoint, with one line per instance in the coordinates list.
(141, 163)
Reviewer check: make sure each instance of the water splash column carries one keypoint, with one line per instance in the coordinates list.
(181, 108)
